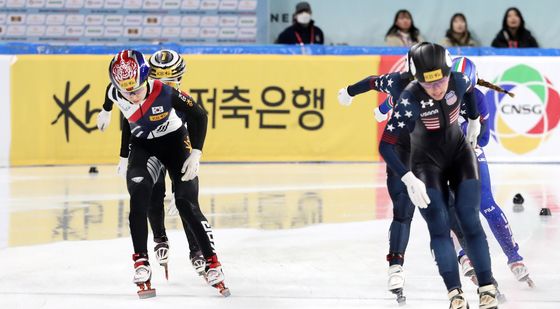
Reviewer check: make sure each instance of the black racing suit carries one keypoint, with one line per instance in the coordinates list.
(156, 213)
(443, 160)
(157, 131)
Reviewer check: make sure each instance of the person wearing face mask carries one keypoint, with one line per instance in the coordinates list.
(458, 33)
(513, 33)
(303, 30)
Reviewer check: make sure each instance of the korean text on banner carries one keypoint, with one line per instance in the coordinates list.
(261, 108)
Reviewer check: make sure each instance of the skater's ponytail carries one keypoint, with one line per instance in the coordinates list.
(489, 85)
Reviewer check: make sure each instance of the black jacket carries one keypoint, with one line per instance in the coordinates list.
(524, 38)
(289, 36)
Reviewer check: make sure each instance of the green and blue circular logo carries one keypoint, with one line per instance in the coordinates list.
(523, 123)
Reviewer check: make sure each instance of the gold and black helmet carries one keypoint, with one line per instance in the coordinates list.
(167, 65)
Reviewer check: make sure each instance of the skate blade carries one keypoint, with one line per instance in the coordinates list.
(501, 298)
(225, 292)
(166, 272)
(530, 282)
(401, 299)
(222, 289)
(143, 294)
(474, 280)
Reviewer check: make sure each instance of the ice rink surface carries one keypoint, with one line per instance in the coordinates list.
(288, 236)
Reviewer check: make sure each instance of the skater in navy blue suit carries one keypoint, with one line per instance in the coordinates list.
(497, 220)
(442, 159)
(403, 210)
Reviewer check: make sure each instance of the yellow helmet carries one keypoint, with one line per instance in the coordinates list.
(167, 65)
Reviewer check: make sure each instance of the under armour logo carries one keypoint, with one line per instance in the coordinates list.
(430, 103)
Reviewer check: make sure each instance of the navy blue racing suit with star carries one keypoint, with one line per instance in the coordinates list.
(157, 131)
(156, 212)
(442, 159)
(403, 209)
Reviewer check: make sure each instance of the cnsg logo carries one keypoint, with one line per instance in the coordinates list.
(523, 123)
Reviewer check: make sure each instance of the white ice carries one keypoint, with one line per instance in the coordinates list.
(334, 265)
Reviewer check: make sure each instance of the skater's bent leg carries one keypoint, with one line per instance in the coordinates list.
(139, 186)
(186, 199)
(457, 230)
(496, 218)
(156, 213)
(191, 239)
(438, 225)
(467, 206)
(186, 192)
(399, 232)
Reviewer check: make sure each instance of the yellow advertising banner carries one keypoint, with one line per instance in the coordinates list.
(260, 108)
(55, 102)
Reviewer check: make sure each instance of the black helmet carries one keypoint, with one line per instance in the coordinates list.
(167, 65)
(430, 62)
(410, 52)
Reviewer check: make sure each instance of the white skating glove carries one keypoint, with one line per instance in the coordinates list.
(379, 116)
(190, 167)
(344, 98)
(103, 120)
(416, 190)
(121, 168)
(473, 130)
(172, 211)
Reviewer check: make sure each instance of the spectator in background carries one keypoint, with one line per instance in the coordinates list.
(458, 33)
(303, 29)
(403, 32)
(513, 33)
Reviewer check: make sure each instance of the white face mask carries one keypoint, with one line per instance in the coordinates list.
(303, 18)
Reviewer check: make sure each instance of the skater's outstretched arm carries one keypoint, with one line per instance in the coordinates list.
(362, 86)
(391, 83)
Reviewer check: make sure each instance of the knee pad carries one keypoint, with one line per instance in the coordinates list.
(138, 181)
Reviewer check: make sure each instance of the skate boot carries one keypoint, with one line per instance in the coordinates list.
(457, 299)
(467, 269)
(162, 253)
(499, 295)
(395, 284)
(215, 275)
(198, 262)
(143, 275)
(521, 272)
(487, 295)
